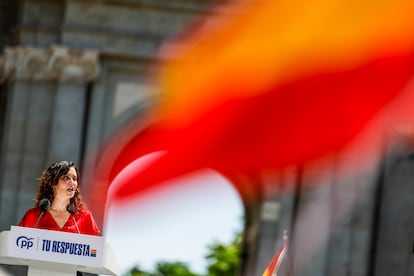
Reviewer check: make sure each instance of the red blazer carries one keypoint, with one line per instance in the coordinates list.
(84, 221)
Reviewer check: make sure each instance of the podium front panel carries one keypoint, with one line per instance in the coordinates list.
(55, 246)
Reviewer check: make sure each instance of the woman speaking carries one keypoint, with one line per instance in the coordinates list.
(59, 205)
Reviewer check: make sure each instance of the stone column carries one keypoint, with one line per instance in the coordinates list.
(276, 214)
(268, 213)
(312, 220)
(43, 121)
(394, 239)
(76, 69)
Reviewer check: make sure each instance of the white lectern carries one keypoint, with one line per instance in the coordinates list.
(47, 252)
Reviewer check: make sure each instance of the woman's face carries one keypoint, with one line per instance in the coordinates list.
(67, 184)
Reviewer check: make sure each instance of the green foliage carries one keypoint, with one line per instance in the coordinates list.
(136, 271)
(173, 269)
(222, 260)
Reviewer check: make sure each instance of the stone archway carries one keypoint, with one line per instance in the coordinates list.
(175, 221)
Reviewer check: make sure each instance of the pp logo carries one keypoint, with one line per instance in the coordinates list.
(24, 242)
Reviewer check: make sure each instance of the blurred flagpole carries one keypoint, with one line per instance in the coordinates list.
(277, 260)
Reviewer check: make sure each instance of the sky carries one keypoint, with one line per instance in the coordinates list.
(176, 223)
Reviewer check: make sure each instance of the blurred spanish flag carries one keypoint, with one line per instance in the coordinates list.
(269, 83)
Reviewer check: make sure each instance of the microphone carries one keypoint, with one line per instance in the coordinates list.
(71, 209)
(44, 205)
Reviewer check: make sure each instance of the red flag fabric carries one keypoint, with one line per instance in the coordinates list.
(274, 265)
(273, 84)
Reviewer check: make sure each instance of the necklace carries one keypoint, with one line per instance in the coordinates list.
(58, 210)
